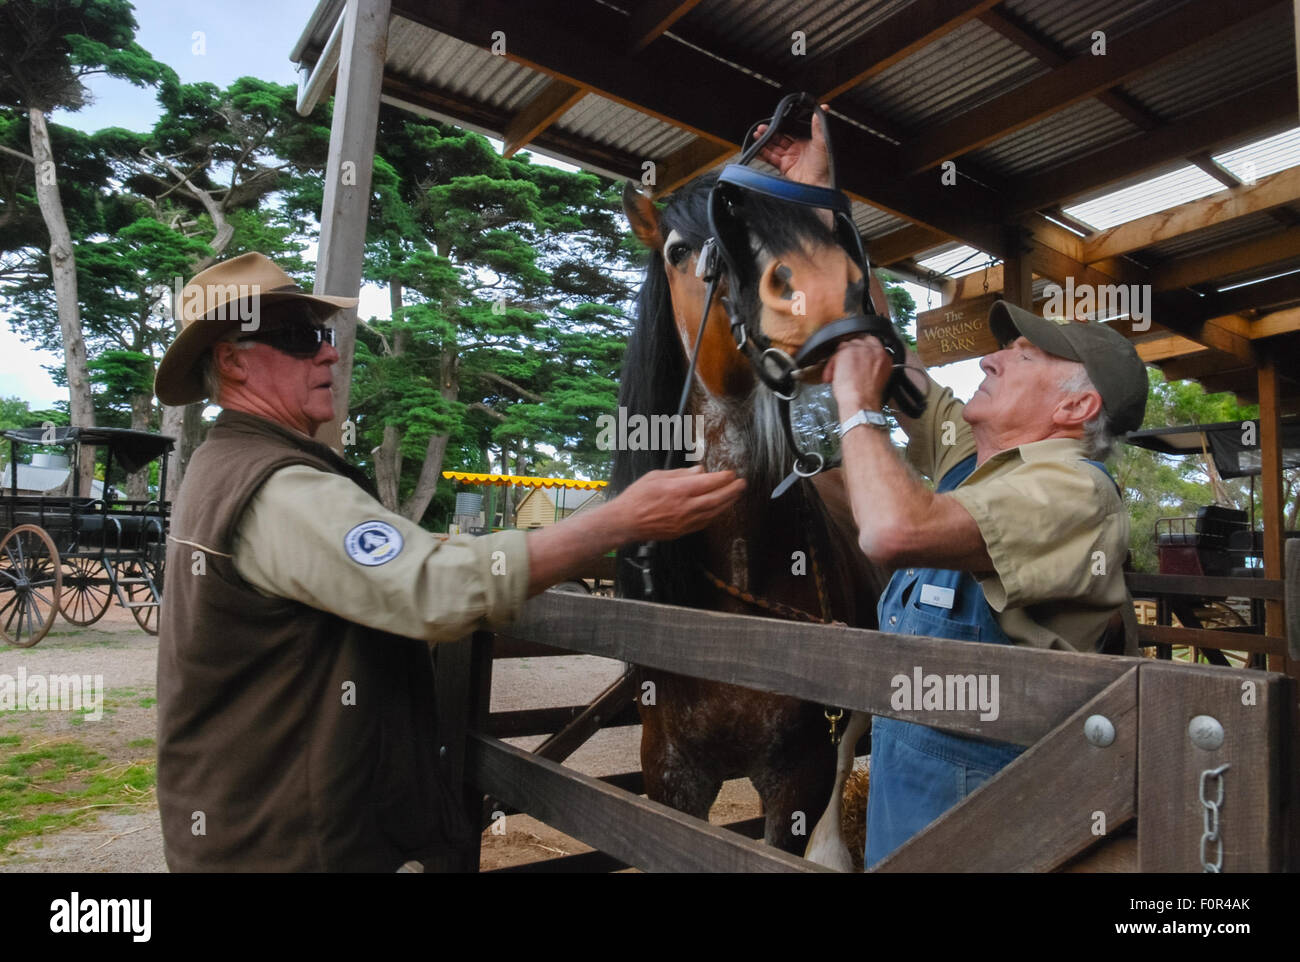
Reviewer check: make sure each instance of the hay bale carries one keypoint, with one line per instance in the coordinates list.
(853, 813)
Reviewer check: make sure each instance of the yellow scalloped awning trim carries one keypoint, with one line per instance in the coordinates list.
(522, 480)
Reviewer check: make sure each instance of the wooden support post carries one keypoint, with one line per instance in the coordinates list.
(1250, 707)
(1291, 722)
(1017, 277)
(346, 205)
(463, 684)
(1270, 445)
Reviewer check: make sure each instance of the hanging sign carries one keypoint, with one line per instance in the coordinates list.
(956, 331)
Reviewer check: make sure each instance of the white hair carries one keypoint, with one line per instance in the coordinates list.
(1098, 441)
(208, 368)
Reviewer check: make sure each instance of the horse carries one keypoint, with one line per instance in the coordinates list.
(698, 733)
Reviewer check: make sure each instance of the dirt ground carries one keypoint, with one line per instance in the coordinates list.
(128, 837)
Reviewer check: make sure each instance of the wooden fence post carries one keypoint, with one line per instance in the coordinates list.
(463, 682)
(1249, 708)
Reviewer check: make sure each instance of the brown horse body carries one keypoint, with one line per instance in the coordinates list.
(796, 552)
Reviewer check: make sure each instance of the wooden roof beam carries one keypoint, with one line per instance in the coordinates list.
(687, 163)
(548, 106)
(1083, 77)
(1269, 192)
(1261, 300)
(895, 39)
(1265, 109)
(1169, 347)
(1023, 35)
(1225, 261)
(432, 101)
(653, 17)
(667, 81)
(1052, 255)
(903, 243)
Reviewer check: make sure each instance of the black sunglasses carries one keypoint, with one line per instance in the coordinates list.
(301, 339)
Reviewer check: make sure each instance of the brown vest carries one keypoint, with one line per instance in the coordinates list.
(253, 729)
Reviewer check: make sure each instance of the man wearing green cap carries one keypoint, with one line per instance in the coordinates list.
(1021, 541)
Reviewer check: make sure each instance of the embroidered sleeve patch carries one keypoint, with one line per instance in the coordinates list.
(373, 543)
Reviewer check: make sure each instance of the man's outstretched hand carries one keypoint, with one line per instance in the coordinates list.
(659, 506)
(805, 161)
(664, 505)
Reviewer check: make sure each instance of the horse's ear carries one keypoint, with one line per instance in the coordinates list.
(642, 215)
(878, 296)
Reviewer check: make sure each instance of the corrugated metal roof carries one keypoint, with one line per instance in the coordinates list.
(1263, 157)
(763, 29)
(961, 70)
(1071, 25)
(600, 119)
(1208, 238)
(1053, 140)
(955, 260)
(430, 58)
(1159, 193)
(872, 222)
(1251, 53)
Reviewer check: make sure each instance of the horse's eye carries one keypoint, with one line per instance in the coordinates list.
(678, 253)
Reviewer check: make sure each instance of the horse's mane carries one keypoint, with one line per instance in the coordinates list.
(654, 369)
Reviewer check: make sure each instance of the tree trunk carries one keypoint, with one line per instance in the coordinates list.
(431, 470)
(388, 466)
(388, 456)
(173, 426)
(137, 484)
(63, 269)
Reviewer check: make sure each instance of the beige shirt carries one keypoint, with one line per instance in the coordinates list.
(1053, 524)
(317, 538)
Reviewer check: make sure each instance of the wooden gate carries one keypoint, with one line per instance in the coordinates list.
(1067, 802)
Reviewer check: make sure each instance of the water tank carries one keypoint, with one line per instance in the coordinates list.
(468, 504)
(40, 460)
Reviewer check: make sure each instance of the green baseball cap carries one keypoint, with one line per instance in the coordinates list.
(1108, 356)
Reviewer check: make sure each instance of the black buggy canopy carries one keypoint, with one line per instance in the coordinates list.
(1226, 442)
(132, 449)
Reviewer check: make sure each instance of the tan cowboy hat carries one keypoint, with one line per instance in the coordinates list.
(223, 297)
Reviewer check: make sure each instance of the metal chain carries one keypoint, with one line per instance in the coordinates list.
(1211, 833)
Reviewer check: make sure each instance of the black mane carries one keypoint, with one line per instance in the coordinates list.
(654, 367)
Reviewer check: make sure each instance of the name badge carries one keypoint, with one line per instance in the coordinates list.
(939, 597)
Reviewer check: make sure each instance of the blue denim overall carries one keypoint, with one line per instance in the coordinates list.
(918, 773)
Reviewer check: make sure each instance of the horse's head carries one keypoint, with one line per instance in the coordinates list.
(804, 279)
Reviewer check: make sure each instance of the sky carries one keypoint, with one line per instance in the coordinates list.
(218, 43)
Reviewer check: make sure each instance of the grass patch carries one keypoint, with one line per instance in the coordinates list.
(141, 743)
(48, 786)
(148, 702)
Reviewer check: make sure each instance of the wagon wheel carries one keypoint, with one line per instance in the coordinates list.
(86, 591)
(1217, 615)
(145, 617)
(30, 580)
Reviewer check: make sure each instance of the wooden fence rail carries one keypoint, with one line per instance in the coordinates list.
(1059, 799)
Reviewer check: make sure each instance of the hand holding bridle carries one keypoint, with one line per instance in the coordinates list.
(802, 160)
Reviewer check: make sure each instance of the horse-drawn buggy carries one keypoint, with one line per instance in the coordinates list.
(64, 551)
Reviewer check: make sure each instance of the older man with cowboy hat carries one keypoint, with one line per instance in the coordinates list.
(295, 690)
(1023, 538)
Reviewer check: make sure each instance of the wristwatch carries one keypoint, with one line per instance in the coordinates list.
(874, 418)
